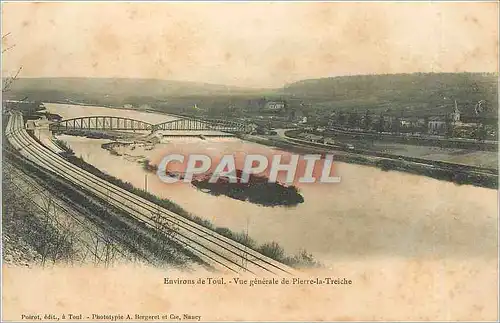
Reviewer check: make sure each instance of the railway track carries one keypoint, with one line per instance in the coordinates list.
(220, 252)
(422, 161)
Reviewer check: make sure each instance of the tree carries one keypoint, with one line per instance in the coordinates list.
(480, 132)
(7, 84)
(396, 125)
(341, 119)
(353, 120)
(380, 123)
(367, 120)
(448, 127)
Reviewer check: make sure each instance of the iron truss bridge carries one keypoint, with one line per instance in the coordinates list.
(100, 123)
(203, 124)
(106, 123)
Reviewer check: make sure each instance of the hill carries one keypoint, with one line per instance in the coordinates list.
(414, 94)
(115, 91)
(417, 93)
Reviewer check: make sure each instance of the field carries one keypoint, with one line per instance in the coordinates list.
(487, 159)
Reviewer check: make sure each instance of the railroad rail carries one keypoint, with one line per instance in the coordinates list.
(220, 252)
(436, 163)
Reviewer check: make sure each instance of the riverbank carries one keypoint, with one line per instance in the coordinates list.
(459, 174)
(271, 249)
(418, 140)
(370, 214)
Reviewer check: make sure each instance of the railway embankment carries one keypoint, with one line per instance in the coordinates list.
(76, 226)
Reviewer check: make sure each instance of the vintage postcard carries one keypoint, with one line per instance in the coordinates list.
(249, 161)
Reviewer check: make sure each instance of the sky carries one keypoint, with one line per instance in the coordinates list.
(247, 44)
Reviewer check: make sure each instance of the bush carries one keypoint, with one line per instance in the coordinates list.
(272, 250)
(244, 239)
(302, 260)
(64, 146)
(224, 232)
(148, 167)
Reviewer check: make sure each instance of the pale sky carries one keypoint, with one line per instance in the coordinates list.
(248, 44)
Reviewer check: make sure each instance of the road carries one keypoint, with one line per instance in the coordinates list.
(220, 252)
(421, 136)
(363, 152)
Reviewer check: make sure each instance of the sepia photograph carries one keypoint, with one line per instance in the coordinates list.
(168, 161)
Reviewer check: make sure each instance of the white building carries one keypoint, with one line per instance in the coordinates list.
(274, 105)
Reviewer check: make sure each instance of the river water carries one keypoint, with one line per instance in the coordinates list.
(369, 214)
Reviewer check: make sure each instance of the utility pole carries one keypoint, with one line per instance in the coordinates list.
(146, 182)
(245, 259)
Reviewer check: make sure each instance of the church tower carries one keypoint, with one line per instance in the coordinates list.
(455, 116)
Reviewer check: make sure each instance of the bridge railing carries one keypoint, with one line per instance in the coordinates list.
(101, 123)
(121, 123)
(200, 124)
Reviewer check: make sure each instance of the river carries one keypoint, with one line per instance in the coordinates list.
(369, 214)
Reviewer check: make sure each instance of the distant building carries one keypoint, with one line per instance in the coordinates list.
(412, 122)
(274, 105)
(460, 125)
(436, 125)
(449, 121)
(405, 122)
(388, 121)
(440, 124)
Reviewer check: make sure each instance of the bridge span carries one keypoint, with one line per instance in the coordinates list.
(100, 123)
(112, 123)
(202, 124)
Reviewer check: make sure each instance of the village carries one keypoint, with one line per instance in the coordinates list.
(440, 122)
